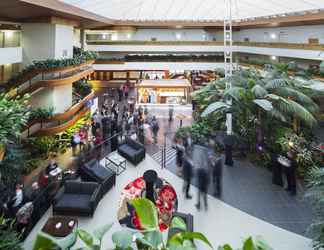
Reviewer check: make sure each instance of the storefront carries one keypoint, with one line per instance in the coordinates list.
(166, 91)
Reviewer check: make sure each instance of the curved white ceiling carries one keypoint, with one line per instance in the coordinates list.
(192, 9)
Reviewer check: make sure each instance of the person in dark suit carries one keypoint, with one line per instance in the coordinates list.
(187, 175)
(216, 168)
(203, 182)
(276, 169)
(290, 172)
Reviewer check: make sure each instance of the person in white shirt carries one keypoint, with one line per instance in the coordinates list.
(17, 200)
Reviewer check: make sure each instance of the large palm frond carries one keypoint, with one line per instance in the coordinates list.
(287, 106)
(258, 91)
(215, 107)
(277, 114)
(276, 83)
(298, 97)
(264, 104)
(234, 92)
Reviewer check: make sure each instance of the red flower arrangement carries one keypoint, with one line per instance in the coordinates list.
(165, 202)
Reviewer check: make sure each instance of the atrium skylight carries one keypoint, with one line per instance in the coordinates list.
(193, 10)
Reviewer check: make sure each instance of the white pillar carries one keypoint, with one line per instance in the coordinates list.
(228, 56)
(41, 41)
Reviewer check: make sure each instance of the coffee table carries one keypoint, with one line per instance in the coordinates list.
(116, 163)
(60, 226)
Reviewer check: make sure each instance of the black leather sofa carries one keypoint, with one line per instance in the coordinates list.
(77, 198)
(188, 219)
(93, 171)
(132, 150)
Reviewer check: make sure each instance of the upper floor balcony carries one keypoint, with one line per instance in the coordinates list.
(293, 50)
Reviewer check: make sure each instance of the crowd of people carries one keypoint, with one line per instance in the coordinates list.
(117, 115)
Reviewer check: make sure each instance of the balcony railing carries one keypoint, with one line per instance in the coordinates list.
(279, 45)
(36, 80)
(59, 122)
(164, 43)
(302, 46)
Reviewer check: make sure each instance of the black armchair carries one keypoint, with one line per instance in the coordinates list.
(132, 150)
(95, 172)
(77, 199)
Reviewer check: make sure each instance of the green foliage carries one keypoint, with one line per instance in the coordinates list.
(9, 238)
(152, 239)
(315, 194)
(321, 68)
(199, 131)
(146, 211)
(82, 87)
(41, 113)
(43, 145)
(123, 239)
(300, 146)
(250, 244)
(262, 104)
(78, 58)
(14, 163)
(14, 115)
(179, 223)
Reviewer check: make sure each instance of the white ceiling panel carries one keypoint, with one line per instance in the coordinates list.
(192, 9)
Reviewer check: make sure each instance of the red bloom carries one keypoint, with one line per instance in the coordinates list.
(159, 203)
(163, 227)
(139, 183)
(168, 194)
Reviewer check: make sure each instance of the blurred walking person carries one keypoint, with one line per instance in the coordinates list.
(155, 129)
(203, 181)
(180, 154)
(216, 167)
(187, 175)
(171, 113)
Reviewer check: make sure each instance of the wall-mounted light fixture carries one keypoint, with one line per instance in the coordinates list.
(8, 33)
(273, 36)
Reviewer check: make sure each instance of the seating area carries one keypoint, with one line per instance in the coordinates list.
(95, 172)
(161, 125)
(77, 198)
(133, 151)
